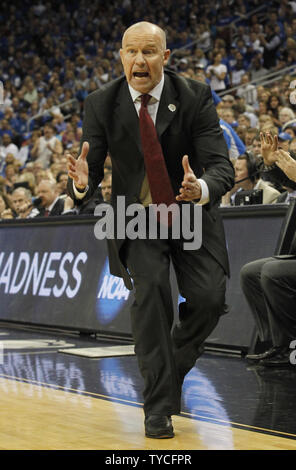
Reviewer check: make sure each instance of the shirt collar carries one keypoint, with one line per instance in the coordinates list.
(49, 208)
(155, 92)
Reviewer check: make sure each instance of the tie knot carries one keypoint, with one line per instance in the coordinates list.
(145, 100)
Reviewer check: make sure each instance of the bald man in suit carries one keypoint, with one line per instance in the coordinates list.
(199, 172)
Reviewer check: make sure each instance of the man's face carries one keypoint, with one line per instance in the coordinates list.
(228, 117)
(47, 193)
(241, 172)
(63, 182)
(48, 133)
(256, 147)
(243, 121)
(284, 144)
(106, 188)
(9, 159)
(9, 171)
(244, 79)
(227, 103)
(249, 138)
(20, 202)
(6, 140)
(143, 56)
(284, 117)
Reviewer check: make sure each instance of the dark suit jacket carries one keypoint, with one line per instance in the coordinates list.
(57, 209)
(111, 124)
(282, 197)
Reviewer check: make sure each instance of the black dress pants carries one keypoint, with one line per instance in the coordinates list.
(269, 285)
(165, 355)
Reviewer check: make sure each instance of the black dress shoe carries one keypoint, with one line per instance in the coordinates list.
(159, 427)
(281, 359)
(269, 353)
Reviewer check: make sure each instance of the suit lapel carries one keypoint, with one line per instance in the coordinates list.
(127, 114)
(168, 107)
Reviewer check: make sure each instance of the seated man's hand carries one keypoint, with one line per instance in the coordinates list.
(269, 145)
(7, 214)
(286, 163)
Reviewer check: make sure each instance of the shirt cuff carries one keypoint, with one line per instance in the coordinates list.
(78, 194)
(205, 195)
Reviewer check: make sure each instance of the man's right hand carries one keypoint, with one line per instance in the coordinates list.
(78, 169)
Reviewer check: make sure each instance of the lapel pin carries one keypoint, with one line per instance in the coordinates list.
(172, 107)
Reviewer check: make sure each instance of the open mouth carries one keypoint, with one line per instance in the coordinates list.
(140, 74)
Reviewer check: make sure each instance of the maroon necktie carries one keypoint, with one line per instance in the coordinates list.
(159, 182)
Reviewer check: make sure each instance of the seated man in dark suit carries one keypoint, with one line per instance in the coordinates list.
(269, 284)
(51, 204)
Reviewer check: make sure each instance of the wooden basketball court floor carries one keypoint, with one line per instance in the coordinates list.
(53, 400)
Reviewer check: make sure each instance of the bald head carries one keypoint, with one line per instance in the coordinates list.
(144, 55)
(47, 191)
(145, 26)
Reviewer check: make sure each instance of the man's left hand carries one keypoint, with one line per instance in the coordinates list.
(191, 189)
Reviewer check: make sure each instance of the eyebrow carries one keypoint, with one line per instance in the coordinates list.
(146, 45)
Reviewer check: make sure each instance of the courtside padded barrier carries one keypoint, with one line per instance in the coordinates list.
(55, 273)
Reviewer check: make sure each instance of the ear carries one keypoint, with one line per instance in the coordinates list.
(121, 55)
(166, 56)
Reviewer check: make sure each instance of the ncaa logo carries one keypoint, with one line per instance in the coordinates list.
(181, 299)
(112, 294)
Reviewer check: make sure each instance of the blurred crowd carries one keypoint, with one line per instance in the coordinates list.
(53, 54)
